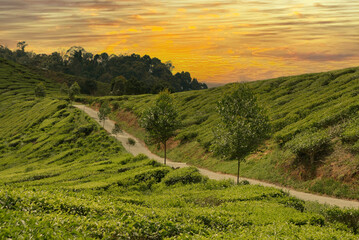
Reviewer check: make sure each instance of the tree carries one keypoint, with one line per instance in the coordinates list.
(64, 89)
(73, 91)
(40, 90)
(116, 129)
(22, 45)
(243, 127)
(119, 85)
(160, 121)
(131, 142)
(104, 111)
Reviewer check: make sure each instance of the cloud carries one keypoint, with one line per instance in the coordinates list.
(290, 54)
(216, 40)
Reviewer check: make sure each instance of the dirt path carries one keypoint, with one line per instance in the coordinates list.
(139, 148)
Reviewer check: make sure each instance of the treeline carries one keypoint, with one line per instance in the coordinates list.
(121, 74)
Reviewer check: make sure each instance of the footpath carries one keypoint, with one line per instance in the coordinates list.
(140, 148)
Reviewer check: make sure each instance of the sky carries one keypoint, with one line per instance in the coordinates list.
(217, 41)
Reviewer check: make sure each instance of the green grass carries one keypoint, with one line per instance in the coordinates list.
(63, 177)
(322, 102)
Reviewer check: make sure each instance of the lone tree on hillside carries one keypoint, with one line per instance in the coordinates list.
(243, 128)
(160, 120)
(73, 91)
(40, 90)
(104, 111)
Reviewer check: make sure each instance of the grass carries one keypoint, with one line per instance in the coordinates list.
(322, 103)
(63, 177)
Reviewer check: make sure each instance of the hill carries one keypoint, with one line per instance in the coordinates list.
(62, 176)
(315, 125)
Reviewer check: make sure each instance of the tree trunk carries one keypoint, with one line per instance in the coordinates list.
(239, 164)
(312, 155)
(165, 145)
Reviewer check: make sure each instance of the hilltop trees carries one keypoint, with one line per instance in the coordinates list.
(160, 121)
(21, 46)
(243, 127)
(71, 91)
(108, 74)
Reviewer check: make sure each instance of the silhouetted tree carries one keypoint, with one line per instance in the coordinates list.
(22, 45)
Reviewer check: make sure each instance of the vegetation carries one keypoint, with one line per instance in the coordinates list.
(104, 111)
(131, 142)
(321, 105)
(116, 129)
(40, 90)
(106, 74)
(309, 144)
(73, 91)
(60, 170)
(160, 121)
(243, 125)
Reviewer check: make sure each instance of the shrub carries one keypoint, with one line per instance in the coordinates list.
(115, 106)
(244, 182)
(40, 90)
(183, 175)
(86, 129)
(186, 136)
(351, 131)
(14, 143)
(156, 174)
(349, 217)
(293, 203)
(309, 143)
(131, 142)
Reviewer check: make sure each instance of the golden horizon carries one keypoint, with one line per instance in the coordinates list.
(217, 41)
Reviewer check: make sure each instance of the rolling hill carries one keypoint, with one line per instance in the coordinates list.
(315, 130)
(63, 177)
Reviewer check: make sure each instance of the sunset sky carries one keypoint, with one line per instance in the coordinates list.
(215, 40)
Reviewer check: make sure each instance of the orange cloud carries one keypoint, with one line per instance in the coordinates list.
(214, 40)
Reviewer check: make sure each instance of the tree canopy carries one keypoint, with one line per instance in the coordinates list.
(123, 74)
(161, 120)
(104, 111)
(243, 126)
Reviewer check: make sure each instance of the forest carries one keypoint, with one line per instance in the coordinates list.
(105, 74)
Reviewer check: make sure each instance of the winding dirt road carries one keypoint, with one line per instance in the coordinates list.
(140, 148)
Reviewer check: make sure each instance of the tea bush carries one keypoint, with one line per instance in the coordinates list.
(183, 175)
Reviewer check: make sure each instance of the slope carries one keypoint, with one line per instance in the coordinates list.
(140, 148)
(61, 171)
(322, 106)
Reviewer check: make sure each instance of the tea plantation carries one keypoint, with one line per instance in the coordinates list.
(315, 130)
(63, 177)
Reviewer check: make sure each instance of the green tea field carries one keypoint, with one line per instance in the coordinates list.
(315, 133)
(63, 177)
